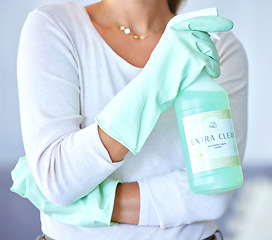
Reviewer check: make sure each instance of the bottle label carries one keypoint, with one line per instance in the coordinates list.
(211, 140)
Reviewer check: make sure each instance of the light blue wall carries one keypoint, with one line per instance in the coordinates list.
(12, 16)
(252, 26)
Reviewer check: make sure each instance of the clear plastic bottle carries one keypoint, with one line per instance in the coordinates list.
(207, 136)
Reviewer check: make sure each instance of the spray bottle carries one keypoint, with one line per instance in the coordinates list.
(207, 135)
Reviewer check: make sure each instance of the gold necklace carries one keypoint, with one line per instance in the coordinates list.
(127, 30)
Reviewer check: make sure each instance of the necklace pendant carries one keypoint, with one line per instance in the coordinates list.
(127, 31)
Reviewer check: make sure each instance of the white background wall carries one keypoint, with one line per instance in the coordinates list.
(252, 26)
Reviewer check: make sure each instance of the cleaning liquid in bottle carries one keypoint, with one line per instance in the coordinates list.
(207, 137)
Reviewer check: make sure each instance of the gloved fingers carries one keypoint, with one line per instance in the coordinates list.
(201, 35)
(208, 49)
(213, 69)
(204, 24)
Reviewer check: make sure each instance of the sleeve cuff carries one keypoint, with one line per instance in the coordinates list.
(148, 215)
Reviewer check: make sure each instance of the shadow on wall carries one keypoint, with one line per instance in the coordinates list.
(19, 218)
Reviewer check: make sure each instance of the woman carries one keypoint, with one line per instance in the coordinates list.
(72, 61)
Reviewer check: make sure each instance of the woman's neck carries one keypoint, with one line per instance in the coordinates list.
(142, 16)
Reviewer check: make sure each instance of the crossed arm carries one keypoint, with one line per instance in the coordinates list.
(127, 198)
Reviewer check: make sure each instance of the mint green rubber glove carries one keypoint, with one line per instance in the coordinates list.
(93, 210)
(183, 51)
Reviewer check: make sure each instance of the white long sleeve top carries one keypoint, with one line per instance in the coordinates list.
(66, 75)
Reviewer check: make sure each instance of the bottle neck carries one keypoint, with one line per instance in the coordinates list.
(202, 95)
